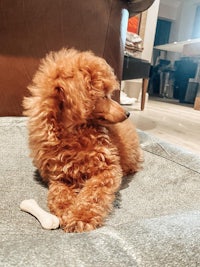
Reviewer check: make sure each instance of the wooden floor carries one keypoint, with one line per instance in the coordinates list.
(173, 122)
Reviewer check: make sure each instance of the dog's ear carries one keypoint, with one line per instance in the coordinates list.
(60, 98)
(55, 113)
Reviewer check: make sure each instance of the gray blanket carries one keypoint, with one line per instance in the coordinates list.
(155, 222)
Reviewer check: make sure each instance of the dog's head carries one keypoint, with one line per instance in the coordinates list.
(75, 87)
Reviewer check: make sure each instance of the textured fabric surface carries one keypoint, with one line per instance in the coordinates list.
(155, 222)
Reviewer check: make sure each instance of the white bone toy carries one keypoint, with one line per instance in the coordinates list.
(47, 220)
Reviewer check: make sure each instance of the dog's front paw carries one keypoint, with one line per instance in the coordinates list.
(78, 227)
(78, 223)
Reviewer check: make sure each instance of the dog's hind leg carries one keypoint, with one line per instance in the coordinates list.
(125, 137)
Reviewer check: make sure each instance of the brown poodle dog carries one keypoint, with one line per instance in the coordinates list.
(79, 137)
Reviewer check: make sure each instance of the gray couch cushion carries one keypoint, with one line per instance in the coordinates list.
(155, 222)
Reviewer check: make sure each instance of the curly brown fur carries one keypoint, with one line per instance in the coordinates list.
(79, 137)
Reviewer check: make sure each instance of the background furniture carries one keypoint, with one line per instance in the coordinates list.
(135, 68)
(197, 100)
(185, 47)
(29, 29)
(185, 68)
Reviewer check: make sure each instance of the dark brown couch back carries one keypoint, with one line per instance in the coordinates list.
(30, 29)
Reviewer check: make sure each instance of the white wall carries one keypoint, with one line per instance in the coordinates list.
(168, 10)
(186, 19)
(182, 14)
(150, 30)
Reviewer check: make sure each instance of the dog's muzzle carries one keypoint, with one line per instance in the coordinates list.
(128, 114)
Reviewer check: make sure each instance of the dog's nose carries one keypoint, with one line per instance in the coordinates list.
(127, 114)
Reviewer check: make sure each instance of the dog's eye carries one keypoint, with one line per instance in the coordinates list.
(105, 97)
